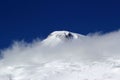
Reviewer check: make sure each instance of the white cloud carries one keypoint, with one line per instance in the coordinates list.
(100, 47)
(92, 46)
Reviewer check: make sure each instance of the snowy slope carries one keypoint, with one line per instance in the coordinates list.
(58, 37)
(62, 63)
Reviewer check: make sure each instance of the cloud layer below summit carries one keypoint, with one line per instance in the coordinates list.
(91, 47)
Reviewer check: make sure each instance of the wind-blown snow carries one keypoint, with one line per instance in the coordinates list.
(64, 56)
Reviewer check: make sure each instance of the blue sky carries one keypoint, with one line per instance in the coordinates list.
(29, 19)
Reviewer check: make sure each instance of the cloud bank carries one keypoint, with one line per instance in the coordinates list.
(92, 47)
(94, 57)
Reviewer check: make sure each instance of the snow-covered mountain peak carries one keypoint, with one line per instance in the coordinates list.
(64, 35)
(57, 37)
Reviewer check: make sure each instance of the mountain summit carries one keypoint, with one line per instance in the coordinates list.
(64, 35)
(57, 37)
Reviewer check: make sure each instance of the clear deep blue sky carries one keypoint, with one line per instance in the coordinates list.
(28, 19)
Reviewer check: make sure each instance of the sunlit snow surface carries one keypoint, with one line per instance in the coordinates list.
(92, 57)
